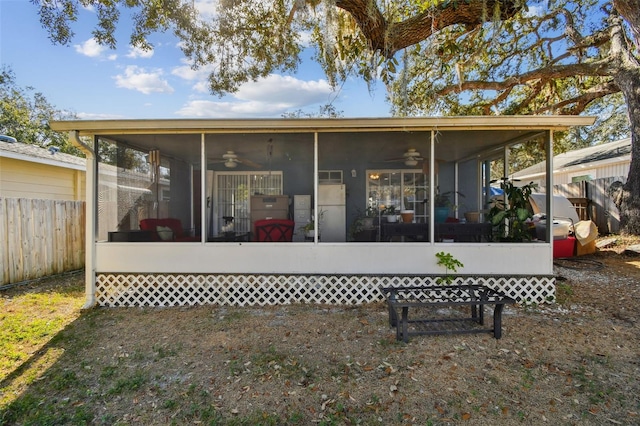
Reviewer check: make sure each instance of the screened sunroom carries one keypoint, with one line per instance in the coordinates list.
(299, 210)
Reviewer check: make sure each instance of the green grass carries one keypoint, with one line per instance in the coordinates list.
(29, 410)
(594, 390)
(29, 320)
(32, 317)
(128, 384)
(564, 292)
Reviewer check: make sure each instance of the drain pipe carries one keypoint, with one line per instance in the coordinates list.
(90, 219)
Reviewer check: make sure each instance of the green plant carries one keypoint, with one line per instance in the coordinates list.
(363, 221)
(310, 226)
(128, 384)
(296, 417)
(528, 379)
(389, 211)
(510, 215)
(109, 371)
(356, 227)
(563, 292)
(371, 211)
(170, 404)
(65, 380)
(451, 265)
(443, 199)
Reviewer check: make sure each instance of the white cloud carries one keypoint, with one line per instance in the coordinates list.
(285, 89)
(535, 10)
(187, 73)
(147, 82)
(201, 87)
(268, 97)
(199, 76)
(96, 116)
(90, 48)
(206, 8)
(305, 38)
(212, 109)
(136, 52)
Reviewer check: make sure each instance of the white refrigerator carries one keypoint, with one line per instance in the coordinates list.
(331, 202)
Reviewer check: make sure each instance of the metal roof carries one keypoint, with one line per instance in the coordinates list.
(36, 154)
(579, 157)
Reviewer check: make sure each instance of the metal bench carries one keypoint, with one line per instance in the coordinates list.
(425, 303)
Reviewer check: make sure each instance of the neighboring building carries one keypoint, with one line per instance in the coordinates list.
(201, 174)
(29, 171)
(42, 197)
(605, 160)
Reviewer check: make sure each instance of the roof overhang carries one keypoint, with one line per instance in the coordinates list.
(105, 127)
(457, 138)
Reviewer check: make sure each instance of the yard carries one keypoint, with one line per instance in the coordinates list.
(575, 362)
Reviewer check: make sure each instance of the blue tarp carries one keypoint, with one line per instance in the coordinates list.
(493, 191)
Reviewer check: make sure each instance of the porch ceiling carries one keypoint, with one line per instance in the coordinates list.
(456, 137)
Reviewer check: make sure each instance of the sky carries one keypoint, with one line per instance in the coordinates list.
(96, 82)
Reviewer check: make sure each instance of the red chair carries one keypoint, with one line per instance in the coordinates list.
(274, 230)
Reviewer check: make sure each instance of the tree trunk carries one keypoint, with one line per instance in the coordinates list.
(629, 200)
(629, 10)
(389, 37)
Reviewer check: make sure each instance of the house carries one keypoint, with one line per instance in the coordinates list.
(584, 176)
(605, 160)
(32, 172)
(29, 171)
(218, 178)
(42, 193)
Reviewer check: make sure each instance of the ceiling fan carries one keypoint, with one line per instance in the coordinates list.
(231, 160)
(410, 158)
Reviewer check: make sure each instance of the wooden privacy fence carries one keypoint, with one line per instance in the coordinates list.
(598, 203)
(40, 238)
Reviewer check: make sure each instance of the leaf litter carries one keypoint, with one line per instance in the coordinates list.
(571, 363)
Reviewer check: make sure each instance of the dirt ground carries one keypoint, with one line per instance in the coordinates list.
(574, 362)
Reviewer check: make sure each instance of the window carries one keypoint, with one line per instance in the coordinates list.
(402, 189)
(329, 176)
(583, 177)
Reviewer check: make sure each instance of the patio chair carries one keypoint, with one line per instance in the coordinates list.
(274, 230)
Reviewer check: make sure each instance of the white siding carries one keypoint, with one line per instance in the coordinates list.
(305, 258)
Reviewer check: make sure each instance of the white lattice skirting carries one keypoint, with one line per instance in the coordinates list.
(278, 289)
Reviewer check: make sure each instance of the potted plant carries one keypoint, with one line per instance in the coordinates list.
(364, 221)
(369, 217)
(309, 228)
(407, 215)
(511, 215)
(472, 216)
(390, 213)
(442, 204)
